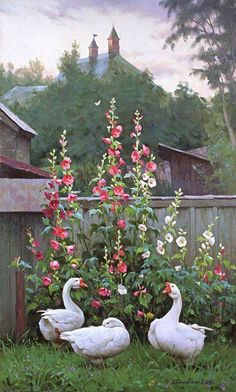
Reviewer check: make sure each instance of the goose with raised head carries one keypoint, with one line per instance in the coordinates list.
(55, 321)
(99, 343)
(169, 335)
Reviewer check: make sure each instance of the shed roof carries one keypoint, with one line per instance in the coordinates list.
(16, 120)
(22, 169)
(200, 153)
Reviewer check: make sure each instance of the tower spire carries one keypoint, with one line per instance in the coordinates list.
(113, 43)
(93, 49)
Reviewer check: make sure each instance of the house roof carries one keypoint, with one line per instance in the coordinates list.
(21, 169)
(200, 153)
(16, 120)
(21, 94)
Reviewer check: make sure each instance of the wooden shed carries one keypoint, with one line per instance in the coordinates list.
(188, 169)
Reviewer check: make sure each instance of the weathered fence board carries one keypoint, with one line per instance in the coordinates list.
(195, 215)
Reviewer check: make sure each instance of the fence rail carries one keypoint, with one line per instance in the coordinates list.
(195, 215)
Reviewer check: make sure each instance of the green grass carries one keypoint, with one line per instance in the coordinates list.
(40, 367)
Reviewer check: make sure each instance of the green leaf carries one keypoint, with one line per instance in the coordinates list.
(128, 309)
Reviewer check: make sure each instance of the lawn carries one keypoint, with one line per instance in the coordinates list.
(38, 367)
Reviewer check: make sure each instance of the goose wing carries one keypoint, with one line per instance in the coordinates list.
(61, 316)
(188, 332)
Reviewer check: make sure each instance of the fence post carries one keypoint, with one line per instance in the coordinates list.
(21, 320)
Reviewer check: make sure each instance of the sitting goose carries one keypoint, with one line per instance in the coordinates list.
(55, 321)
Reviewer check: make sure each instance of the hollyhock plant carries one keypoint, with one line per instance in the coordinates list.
(95, 303)
(54, 265)
(46, 280)
(121, 224)
(60, 232)
(66, 163)
(104, 292)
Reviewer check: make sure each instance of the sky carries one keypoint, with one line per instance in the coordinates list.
(43, 29)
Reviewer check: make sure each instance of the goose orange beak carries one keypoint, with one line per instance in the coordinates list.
(167, 289)
(83, 284)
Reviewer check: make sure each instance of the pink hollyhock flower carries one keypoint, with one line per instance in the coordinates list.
(68, 179)
(70, 249)
(121, 162)
(48, 195)
(55, 245)
(51, 184)
(74, 266)
(122, 267)
(132, 134)
(47, 212)
(96, 190)
(136, 293)
(104, 195)
(72, 197)
(218, 272)
(138, 128)
(54, 265)
(125, 196)
(104, 292)
(116, 132)
(58, 181)
(135, 156)
(117, 153)
(118, 190)
(39, 255)
(106, 140)
(115, 256)
(122, 224)
(35, 244)
(46, 280)
(60, 232)
(140, 313)
(111, 269)
(146, 150)
(65, 164)
(111, 152)
(53, 204)
(151, 166)
(102, 182)
(108, 116)
(114, 170)
(119, 147)
(95, 303)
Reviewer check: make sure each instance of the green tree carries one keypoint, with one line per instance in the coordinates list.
(212, 26)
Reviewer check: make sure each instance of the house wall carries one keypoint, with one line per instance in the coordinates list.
(14, 144)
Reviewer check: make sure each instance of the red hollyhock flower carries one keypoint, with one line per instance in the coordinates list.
(117, 153)
(106, 140)
(122, 162)
(58, 181)
(218, 272)
(70, 212)
(205, 278)
(151, 166)
(111, 152)
(122, 267)
(54, 265)
(114, 170)
(96, 190)
(111, 269)
(55, 245)
(102, 182)
(115, 256)
(119, 147)
(72, 197)
(53, 204)
(118, 190)
(47, 212)
(63, 215)
(146, 150)
(116, 132)
(95, 303)
(46, 280)
(104, 195)
(140, 313)
(104, 292)
(122, 224)
(135, 156)
(68, 179)
(121, 252)
(48, 195)
(136, 293)
(35, 243)
(39, 255)
(65, 164)
(60, 232)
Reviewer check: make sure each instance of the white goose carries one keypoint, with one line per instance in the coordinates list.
(55, 321)
(99, 343)
(169, 335)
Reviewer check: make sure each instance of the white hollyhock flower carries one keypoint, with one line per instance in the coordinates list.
(146, 254)
(142, 227)
(160, 243)
(160, 247)
(122, 289)
(152, 182)
(168, 219)
(142, 184)
(203, 246)
(169, 237)
(145, 176)
(181, 241)
(178, 268)
(212, 240)
(207, 234)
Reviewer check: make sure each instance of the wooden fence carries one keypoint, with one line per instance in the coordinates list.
(195, 214)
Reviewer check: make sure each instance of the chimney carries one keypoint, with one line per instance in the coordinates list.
(93, 50)
(113, 43)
